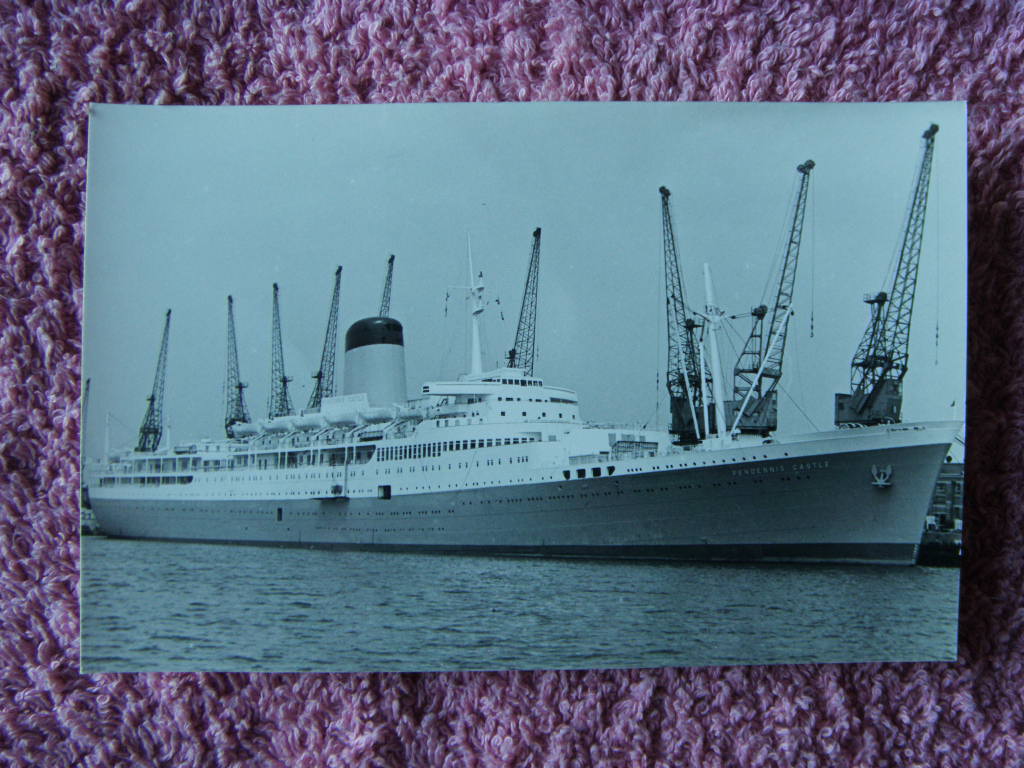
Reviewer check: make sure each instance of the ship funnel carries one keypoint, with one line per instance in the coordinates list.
(375, 361)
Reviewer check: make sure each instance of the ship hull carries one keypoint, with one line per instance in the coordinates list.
(852, 506)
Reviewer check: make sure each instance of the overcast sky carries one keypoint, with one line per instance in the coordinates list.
(189, 204)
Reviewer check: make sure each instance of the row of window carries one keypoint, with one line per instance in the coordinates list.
(165, 480)
(164, 465)
(355, 454)
(517, 382)
(498, 462)
(433, 450)
(333, 457)
(543, 415)
(582, 473)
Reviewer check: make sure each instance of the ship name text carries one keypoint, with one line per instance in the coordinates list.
(802, 466)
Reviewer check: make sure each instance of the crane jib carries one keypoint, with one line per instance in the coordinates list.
(153, 422)
(324, 376)
(236, 412)
(524, 349)
(882, 357)
(759, 366)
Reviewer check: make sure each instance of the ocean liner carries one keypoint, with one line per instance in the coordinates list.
(501, 462)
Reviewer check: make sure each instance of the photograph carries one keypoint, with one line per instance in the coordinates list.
(423, 387)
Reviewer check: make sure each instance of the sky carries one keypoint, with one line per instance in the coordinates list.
(186, 205)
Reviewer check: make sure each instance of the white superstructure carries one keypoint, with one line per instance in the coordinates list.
(500, 461)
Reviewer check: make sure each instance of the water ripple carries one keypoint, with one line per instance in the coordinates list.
(170, 606)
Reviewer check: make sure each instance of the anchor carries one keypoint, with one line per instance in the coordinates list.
(882, 477)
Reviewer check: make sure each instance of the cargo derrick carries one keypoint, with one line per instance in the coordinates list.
(761, 415)
(385, 300)
(236, 411)
(324, 377)
(684, 376)
(280, 403)
(153, 423)
(880, 362)
(522, 354)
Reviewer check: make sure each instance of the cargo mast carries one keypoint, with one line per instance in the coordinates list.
(476, 295)
(280, 403)
(523, 350)
(324, 377)
(761, 416)
(684, 376)
(236, 411)
(385, 300)
(153, 423)
(880, 362)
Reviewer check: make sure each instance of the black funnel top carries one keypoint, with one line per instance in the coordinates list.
(374, 330)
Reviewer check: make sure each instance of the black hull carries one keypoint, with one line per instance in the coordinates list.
(882, 554)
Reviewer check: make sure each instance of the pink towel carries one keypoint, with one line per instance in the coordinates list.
(57, 57)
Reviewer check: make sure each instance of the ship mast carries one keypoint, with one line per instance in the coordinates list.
(713, 316)
(522, 353)
(280, 403)
(324, 377)
(152, 424)
(476, 292)
(236, 411)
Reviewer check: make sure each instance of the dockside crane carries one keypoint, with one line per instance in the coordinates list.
(385, 299)
(280, 403)
(524, 348)
(324, 377)
(153, 423)
(763, 352)
(684, 377)
(880, 362)
(236, 411)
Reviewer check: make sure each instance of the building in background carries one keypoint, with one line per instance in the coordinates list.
(947, 512)
(942, 542)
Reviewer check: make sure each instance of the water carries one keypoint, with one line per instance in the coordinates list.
(175, 607)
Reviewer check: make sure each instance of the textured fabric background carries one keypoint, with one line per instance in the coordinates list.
(55, 58)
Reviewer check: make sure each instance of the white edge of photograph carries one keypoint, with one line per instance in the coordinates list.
(437, 387)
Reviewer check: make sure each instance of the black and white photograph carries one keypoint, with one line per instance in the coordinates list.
(419, 387)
